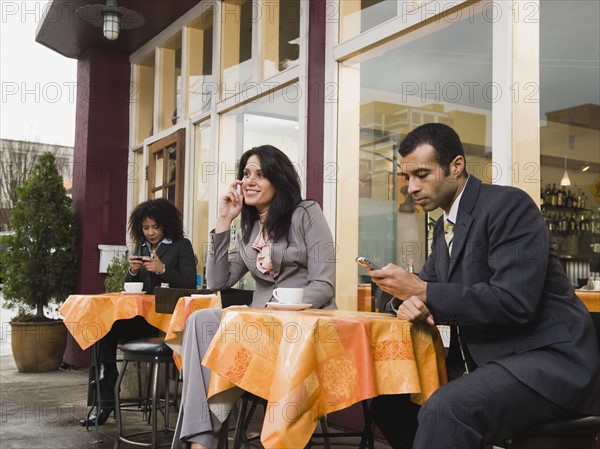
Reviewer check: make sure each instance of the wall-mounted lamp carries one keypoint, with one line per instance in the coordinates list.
(111, 17)
(585, 167)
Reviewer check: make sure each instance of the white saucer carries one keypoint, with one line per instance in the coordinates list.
(280, 306)
(133, 293)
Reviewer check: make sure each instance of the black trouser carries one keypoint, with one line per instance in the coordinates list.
(469, 412)
(122, 331)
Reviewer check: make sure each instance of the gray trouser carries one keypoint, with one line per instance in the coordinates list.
(196, 423)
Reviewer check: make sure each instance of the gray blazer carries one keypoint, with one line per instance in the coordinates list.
(506, 289)
(305, 259)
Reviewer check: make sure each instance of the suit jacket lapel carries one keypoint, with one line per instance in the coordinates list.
(464, 220)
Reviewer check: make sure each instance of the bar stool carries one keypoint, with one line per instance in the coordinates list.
(576, 433)
(155, 352)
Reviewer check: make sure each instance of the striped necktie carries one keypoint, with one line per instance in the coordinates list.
(449, 234)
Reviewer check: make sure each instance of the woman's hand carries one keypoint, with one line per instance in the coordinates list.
(135, 263)
(154, 264)
(230, 206)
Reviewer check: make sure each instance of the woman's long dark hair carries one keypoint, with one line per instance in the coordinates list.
(280, 171)
(163, 212)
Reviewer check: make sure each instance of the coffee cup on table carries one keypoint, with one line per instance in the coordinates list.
(133, 287)
(289, 295)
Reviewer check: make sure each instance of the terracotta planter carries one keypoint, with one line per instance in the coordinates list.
(38, 347)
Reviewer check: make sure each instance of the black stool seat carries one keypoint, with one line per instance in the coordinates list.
(155, 352)
(148, 347)
(587, 425)
(574, 433)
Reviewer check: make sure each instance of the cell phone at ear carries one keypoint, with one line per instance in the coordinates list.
(238, 189)
(367, 264)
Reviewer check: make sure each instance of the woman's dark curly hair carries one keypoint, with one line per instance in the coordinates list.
(279, 170)
(163, 212)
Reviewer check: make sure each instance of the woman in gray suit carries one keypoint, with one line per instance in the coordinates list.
(283, 242)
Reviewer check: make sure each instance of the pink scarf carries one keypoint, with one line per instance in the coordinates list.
(263, 258)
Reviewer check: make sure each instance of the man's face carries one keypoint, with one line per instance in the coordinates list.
(427, 183)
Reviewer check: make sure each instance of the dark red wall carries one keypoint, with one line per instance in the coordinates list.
(316, 101)
(100, 160)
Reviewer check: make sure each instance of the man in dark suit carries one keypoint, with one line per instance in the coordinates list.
(523, 348)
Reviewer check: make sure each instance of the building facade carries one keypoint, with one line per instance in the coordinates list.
(168, 109)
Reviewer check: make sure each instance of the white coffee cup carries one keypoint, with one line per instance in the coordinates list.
(131, 287)
(289, 295)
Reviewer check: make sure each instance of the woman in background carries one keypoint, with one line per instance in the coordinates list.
(284, 241)
(163, 254)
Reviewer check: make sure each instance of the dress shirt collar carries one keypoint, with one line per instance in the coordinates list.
(452, 215)
(166, 241)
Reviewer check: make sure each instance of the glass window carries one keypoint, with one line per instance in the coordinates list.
(272, 120)
(444, 76)
(203, 168)
(142, 98)
(281, 34)
(201, 83)
(170, 100)
(236, 49)
(570, 131)
(358, 16)
(165, 168)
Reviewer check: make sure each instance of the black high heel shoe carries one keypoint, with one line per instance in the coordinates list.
(101, 417)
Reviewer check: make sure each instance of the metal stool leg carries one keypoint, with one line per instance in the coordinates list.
(118, 405)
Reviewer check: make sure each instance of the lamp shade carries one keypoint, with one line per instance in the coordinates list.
(111, 25)
(565, 180)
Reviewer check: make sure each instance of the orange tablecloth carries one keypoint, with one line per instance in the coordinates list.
(310, 363)
(183, 309)
(90, 317)
(591, 299)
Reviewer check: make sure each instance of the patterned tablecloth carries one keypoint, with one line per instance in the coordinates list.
(310, 363)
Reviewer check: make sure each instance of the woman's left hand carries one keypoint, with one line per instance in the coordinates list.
(154, 265)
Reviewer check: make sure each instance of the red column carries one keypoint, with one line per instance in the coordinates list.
(316, 101)
(100, 160)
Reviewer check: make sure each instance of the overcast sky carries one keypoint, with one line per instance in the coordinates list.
(38, 84)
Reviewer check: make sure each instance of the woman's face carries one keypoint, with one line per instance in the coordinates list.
(258, 190)
(153, 232)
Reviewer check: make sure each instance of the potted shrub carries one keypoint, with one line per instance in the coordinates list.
(39, 267)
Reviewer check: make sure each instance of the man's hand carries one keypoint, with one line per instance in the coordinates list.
(408, 288)
(399, 282)
(413, 309)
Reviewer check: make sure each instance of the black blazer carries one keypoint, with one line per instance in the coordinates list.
(505, 288)
(180, 261)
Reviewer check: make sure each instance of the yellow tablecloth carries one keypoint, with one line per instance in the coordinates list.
(590, 298)
(90, 317)
(310, 363)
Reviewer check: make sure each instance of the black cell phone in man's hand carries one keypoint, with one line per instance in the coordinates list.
(137, 257)
(367, 264)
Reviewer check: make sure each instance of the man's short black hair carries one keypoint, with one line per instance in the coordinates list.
(441, 137)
